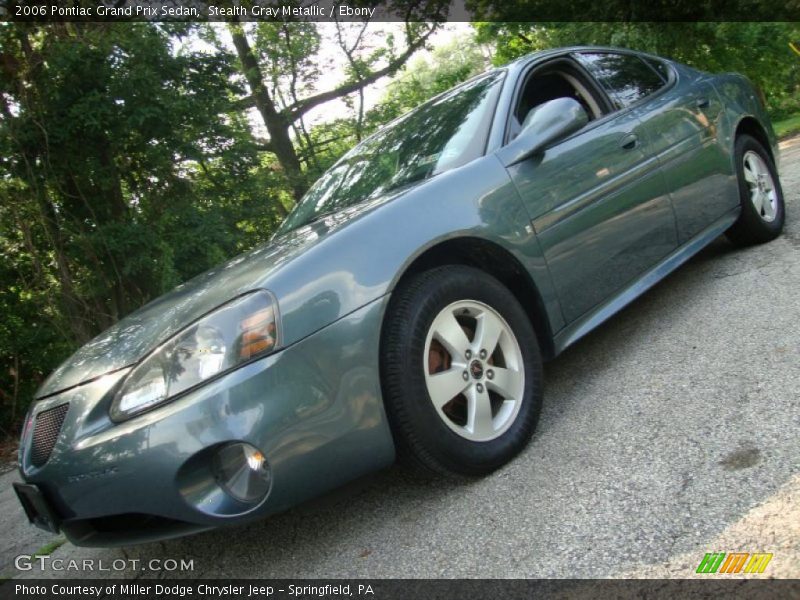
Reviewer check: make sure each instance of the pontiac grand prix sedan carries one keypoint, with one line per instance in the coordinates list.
(405, 306)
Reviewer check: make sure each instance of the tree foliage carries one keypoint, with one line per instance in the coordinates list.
(448, 65)
(123, 171)
(419, 80)
(279, 66)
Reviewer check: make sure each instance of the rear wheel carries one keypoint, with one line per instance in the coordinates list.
(760, 194)
(461, 372)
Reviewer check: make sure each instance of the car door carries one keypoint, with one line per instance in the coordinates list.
(680, 128)
(599, 206)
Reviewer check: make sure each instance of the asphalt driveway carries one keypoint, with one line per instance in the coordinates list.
(665, 432)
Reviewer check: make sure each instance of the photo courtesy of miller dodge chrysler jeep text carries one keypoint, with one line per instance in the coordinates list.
(194, 590)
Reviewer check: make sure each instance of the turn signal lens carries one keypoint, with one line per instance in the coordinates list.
(258, 334)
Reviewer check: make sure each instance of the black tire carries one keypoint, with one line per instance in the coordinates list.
(751, 227)
(423, 441)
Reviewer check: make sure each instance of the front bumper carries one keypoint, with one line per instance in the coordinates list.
(314, 409)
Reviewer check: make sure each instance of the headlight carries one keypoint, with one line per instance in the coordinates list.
(241, 330)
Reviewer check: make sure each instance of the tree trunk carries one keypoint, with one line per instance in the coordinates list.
(78, 318)
(277, 125)
(70, 301)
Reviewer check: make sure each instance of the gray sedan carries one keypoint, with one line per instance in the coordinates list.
(406, 305)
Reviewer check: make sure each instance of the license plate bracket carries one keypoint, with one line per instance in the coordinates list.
(37, 508)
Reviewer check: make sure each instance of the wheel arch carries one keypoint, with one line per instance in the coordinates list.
(498, 262)
(749, 125)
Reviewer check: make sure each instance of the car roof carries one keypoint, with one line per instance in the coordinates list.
(541, 54)
(566, 49)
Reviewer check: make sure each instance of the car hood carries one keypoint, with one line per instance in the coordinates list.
(136, 335)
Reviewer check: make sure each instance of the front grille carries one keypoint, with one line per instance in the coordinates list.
(45, 433)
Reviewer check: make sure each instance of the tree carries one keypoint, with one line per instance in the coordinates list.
(288, 48)
(419, 80)
(632, 11)
(124, 170)
(423, 78)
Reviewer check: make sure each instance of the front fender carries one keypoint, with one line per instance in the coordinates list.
(365, 258)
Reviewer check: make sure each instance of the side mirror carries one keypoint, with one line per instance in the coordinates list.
(544, 125)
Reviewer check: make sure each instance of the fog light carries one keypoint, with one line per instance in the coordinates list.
(243, 472)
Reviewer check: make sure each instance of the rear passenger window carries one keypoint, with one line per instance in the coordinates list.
(660, 67)
(626, 78)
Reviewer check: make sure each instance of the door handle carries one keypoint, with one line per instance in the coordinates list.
(629, 141)
(702, 103)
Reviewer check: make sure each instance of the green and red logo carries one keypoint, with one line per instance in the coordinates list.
(734, 562)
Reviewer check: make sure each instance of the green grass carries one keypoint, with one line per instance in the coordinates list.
(787, 127)
(45, 550)
(51, 547)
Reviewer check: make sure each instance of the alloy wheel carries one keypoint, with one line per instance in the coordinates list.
(474, 370)
(762, 188)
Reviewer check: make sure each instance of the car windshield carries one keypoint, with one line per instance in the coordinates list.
(442, 134)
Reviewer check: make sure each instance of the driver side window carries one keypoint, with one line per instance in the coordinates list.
(558, 79)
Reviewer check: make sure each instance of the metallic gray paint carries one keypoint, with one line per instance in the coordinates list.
(593, 224)
(323, 424)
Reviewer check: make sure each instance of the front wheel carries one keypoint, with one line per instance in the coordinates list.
(461, 372)
(760, 194)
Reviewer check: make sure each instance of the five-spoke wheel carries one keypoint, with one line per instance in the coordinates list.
(461, 371)
(473, 370)
(760, 195)
(762, 188)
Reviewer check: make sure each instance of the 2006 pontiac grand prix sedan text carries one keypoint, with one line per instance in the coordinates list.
(406, 305)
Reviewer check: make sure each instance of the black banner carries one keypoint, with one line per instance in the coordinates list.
(461, 589)
(399, 10)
